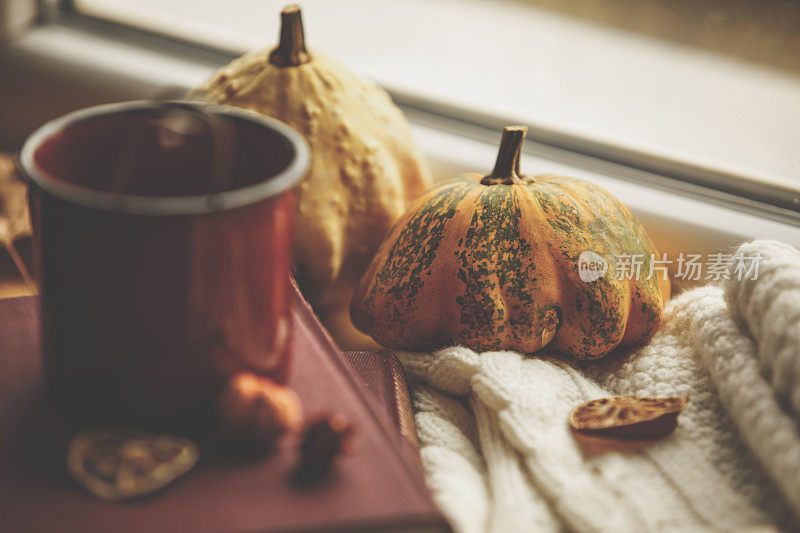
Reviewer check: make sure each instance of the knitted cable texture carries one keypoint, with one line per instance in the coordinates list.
(499, 455)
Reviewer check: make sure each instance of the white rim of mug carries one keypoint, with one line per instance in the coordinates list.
(165, 205)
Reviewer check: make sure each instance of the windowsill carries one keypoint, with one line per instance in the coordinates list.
(59, 68)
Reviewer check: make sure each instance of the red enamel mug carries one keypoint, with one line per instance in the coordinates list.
(162, 247)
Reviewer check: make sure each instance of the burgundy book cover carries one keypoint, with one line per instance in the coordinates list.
(383, 377)
(379, 486)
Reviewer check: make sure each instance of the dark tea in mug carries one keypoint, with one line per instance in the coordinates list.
(162, 241)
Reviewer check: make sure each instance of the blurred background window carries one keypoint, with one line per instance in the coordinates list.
(713, 83)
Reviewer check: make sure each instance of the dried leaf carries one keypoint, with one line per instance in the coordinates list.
(120, 464)
(628, 417)
(14, 219)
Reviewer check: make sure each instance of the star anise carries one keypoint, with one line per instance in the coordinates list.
(325, 437)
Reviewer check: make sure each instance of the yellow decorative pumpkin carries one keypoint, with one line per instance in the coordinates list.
(492, 262)
(365, 168)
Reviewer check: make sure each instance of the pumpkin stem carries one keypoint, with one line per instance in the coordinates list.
(291, 49)
(506, 168)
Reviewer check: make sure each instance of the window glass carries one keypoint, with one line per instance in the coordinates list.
(712, 83)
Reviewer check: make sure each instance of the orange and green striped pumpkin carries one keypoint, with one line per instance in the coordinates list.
(491, 262)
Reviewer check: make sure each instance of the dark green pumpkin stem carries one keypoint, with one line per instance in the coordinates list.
(506, 168)
(291, 50)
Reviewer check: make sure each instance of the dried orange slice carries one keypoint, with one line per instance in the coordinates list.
(120, 464)
(628, 417)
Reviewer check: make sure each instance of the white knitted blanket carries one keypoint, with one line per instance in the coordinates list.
(500, 457)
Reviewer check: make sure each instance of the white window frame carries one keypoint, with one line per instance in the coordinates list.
(69, 61)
